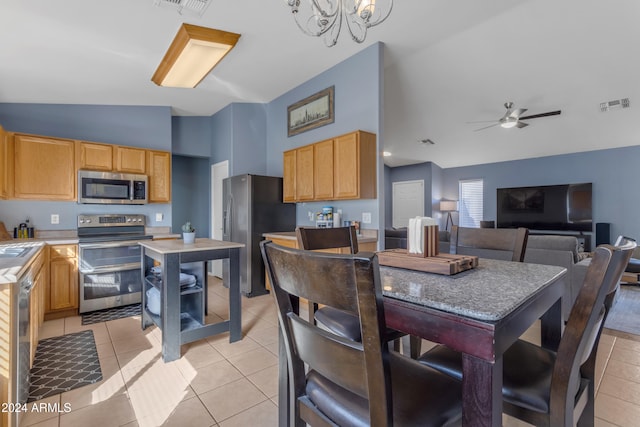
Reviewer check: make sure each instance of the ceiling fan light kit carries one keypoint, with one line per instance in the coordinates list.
(513, 118)
(324, 18)
(194, 52)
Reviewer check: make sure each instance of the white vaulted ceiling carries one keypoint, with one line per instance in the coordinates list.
(446, 63)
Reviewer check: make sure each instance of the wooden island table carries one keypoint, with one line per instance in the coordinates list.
(182, 309)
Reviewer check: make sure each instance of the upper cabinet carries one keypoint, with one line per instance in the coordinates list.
(342, 168)
(6, 164)
(289, 173)
(130, 159)
(354, 166)
(39, 167)
(94, 156)
(44, 168)
(159, 172)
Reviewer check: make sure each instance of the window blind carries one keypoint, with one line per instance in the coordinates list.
(471, 202)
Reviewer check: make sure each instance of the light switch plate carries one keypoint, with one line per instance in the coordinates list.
(159, 217)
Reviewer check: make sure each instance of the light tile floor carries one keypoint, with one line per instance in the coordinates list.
(216, 383)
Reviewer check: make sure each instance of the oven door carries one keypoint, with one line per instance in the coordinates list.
(109, 275)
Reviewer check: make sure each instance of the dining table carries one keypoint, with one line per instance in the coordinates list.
(479, 312)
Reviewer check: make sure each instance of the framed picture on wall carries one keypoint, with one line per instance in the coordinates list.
(312, 112)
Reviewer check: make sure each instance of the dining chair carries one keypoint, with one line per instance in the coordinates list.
(339, 321)
(507, 244)
(350, 383)
(548, 388)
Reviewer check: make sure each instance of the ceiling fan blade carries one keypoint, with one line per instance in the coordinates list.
(487, 127)
(516, 113)
(482, 121)
(535, 116)
(521, 124)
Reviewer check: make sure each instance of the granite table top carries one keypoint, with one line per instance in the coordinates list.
(488, 292)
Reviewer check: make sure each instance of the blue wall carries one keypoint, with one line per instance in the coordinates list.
(191, 136)
(613, 172)
(357, 106)
(191, 194)
(137, 126)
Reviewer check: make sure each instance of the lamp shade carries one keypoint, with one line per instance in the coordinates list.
(448, 205)
(192, 55)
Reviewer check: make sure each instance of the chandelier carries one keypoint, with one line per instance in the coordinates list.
(325, 17)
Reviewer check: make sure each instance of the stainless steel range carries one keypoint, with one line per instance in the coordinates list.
(109, 261)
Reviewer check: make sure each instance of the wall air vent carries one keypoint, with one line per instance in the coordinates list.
(615, 104)
(186, 7)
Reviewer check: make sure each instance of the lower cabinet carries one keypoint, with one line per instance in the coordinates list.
(37, 302)
(63, 278)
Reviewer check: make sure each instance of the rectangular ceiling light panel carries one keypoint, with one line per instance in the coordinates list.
(195, 51)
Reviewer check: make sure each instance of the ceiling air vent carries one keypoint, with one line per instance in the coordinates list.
(184, 7)
(615, 104)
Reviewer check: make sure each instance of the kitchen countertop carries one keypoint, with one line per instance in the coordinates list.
(291, 235)
(12, 268)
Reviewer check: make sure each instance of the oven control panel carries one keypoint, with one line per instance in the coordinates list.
(110, 220)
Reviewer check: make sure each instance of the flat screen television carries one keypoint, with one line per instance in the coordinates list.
(549, 207)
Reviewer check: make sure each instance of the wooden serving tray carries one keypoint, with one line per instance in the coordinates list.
(447, 264)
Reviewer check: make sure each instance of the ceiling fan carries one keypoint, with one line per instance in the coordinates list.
(512, 117)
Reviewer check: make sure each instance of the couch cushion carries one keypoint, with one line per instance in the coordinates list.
(558, 243)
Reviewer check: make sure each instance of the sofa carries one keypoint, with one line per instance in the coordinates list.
(562, 251)
(557, 250)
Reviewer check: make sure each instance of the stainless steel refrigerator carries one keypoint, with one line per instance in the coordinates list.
(253, 206)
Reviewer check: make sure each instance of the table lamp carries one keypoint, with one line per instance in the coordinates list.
(448, 206)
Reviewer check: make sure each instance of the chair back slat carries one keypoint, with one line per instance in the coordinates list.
(582, 332)
(341, 281)
(497, 243)
(312, 239)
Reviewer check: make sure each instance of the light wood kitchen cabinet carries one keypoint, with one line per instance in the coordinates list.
(44, 168)
(354, 166)
(37, 301)
(342, 168)
(129, 159)
(323, 170)
(63, 278)
(9, 329)
(289, 176)
(94, 156)
(6, 165)
(159, 172)
(304, 173)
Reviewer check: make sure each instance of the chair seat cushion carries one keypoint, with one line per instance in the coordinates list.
(346, 324)
(633, 266)
(421, 397)
(527, 370)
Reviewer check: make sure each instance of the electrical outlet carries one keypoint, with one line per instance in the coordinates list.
(310, 215)
(366, 217)
(159, 217)
(55, 219)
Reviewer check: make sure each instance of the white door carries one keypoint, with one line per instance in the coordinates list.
(408, 202)
(219, 171)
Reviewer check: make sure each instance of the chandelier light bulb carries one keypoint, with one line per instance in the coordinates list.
(325, 18)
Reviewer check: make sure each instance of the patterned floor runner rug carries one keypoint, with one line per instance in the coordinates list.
(64, 363)
(111, 314)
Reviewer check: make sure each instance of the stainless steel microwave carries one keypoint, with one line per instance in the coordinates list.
(112, 188)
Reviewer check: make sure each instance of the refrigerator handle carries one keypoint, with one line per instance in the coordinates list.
(226, 221)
